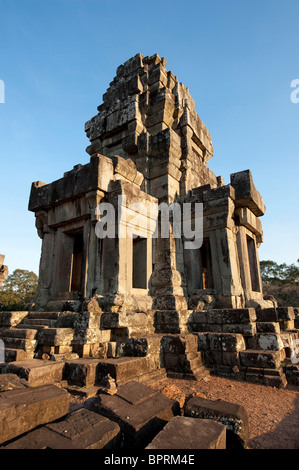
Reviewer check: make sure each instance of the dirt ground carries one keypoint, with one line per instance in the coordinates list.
(273, 413)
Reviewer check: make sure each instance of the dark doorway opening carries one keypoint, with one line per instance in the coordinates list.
(206, 265)
(139, 263)
(77, 263)
(255, 283)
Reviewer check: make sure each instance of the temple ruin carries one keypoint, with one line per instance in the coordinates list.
(141, 306)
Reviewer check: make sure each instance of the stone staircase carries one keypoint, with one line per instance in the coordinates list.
(24, 338)
(238, 343)
(247, 344)
(181, 357)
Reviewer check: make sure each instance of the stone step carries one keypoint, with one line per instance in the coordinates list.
(195, 374)
(195, 362)
(37, 322)
(23, 333)
(43, 315)
(22, 326)
(268, 327)
(269, 377)
(260, 358)
(124, 369)
(12, 355)
(55, 336)
(35, 371)
(201, 372)
(27, 345)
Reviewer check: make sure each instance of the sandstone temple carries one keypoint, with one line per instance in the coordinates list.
(139, 307)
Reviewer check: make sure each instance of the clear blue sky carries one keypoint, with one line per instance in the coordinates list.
(238, 58)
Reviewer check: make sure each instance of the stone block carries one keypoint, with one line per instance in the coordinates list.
(285, 313)
(268, 327)
(188, 433)
(246, 193)
(231, 415)
(82, 429)
(24, 409)
(232, 342)
(248, 329)
(124, 369)
(10, 319)
(260, 359)
(36, 372)
(230, 359)
(266, 315)
(268, 341)
(139, 413)
(82, 372)
(232, 316)
(55, 336)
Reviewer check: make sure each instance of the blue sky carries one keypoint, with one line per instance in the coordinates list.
(238, 58)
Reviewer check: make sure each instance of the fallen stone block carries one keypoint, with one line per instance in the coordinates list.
(188, 433)
(24, 409)
(231, 415)
(139, 411)
(82, 429)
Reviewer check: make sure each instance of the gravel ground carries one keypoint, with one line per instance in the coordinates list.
(273, 413)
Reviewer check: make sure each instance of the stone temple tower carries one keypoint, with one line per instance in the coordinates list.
(148, 143)
(117, 295)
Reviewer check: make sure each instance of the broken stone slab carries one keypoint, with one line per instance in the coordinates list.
(11, 382)
(139, 413)
(189, 433)
(24, 409)
(234, 417)
(82, 429)
(35, 371)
